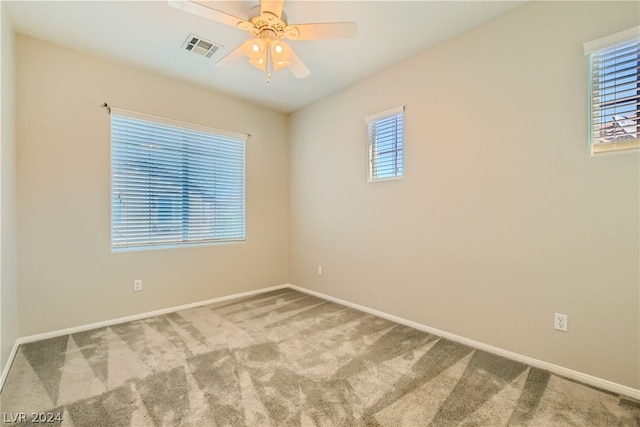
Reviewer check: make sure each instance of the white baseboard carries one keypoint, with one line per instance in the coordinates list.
(73, 330)
(558, 370)
(5, 371)
(67, 331)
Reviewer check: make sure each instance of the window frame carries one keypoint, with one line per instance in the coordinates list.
(372, 120)
(187, 132)
(594, 50)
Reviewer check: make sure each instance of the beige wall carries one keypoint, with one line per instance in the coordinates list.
(502, 217)
(67, 273)
(8, 219)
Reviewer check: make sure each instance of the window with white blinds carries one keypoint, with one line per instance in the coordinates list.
(614, 91)
(174, 183)
(385, 144)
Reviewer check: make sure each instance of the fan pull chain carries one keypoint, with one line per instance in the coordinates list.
(268, 64)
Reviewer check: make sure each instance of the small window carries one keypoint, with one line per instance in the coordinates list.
(174, 183)
(385, 142)
(614, 91)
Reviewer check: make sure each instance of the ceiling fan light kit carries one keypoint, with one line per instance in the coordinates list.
(266, 52)
(267, 23)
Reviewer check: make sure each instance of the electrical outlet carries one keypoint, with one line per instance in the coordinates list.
(137, 285)
(561, 322)
(320, 270)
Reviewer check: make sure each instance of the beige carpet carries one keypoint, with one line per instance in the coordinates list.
(284, 358)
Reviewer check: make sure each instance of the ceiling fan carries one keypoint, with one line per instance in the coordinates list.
(268, 26)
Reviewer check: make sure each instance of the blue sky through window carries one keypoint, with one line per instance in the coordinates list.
(616, 93)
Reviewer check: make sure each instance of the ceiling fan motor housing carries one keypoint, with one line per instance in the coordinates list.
(266, 25)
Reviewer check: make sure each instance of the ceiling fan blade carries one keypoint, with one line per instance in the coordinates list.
(329, 30)
(272, 6)
(232, 57)
(297, 67)
(206, 12)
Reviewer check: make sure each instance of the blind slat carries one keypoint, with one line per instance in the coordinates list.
(385, 141)
(615, 94)
(175, 185)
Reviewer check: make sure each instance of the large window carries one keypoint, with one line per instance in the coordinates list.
(174, 183)
(385, 144)
(614, 91)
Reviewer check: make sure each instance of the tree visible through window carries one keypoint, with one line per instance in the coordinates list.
(174, 183)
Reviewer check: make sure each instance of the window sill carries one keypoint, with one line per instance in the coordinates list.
(626, 146)
(121, 249)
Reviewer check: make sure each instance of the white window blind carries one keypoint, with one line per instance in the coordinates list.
(614, 86)
(385, 144)
(174, 183)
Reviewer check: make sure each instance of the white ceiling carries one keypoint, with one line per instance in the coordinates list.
(151, 34)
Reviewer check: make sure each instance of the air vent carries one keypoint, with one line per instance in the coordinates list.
(201, 46)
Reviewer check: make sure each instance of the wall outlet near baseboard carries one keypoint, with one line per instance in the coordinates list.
(560, 322)
(320, 270)
(137, 285)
